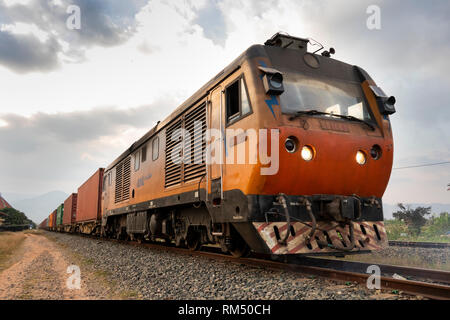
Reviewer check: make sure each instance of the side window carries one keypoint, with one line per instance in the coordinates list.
(144, 153)
(237, 102)
(137, 161)
(109, 178)
(232, 98)
(155, 148)
(245, 103)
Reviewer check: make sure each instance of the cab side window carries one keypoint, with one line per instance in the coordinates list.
(237, 102)
(137, 162)
(144, 154)
(155, 148)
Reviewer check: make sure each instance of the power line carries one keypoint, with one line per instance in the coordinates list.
(423, 165)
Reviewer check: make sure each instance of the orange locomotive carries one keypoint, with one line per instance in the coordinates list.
(325, 150)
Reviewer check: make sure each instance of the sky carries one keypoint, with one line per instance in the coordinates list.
(72, 100)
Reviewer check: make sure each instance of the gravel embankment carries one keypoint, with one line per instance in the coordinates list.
(157, 274)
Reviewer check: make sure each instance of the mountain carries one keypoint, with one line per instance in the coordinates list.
(39, 207)
(18, 196)
(436, 208)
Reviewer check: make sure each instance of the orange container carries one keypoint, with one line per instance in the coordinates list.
(70, 209)
(89, 198)
(52, 219)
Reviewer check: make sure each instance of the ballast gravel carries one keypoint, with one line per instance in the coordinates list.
(428, 258)
(433, 258)
(145, 273)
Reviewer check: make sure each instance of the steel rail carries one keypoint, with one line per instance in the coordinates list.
(396, 243)
(434, 275)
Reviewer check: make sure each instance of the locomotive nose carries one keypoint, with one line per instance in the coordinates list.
(326, 162)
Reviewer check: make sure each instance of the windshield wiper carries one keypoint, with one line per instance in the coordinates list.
(317, 112)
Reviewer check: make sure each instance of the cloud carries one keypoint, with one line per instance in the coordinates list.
(212, 21)
(57, 151)
(25, 53)
(103, 23)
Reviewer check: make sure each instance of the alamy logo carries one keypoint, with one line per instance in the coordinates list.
(74, 281)
(74, 20)
(373, 281)
(374, 20)
(227, 147)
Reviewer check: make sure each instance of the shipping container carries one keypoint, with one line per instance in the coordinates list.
(70, 209)
(59, 214)
(43, 224)
(89, 198)
(54, 219)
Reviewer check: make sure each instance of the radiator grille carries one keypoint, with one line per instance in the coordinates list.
(193, 165)
(126, 179)
(122, 187)
(173, 146)
(195, 124)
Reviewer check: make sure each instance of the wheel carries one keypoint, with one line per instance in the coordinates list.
(193, 241)
(236, 245)
(239, 250)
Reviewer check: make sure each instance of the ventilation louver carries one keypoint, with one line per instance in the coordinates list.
(193, 166)
(122, 187)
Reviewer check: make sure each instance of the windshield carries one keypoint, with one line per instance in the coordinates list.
(303, 93)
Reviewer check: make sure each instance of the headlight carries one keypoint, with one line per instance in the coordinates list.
(307, 153)
(376, 152)
(361, 157)
(291, 144)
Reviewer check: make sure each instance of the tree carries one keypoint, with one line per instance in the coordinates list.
(414, 218)
(15, 217)
(437, 226)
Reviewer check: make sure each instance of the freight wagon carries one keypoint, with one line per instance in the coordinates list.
(52, 221)
(88, 214)
(43, 224)
(70, 210)
(59, 217)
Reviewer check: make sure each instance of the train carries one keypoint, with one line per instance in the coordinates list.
(286, 151)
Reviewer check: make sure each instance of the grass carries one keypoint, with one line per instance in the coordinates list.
(9, 243)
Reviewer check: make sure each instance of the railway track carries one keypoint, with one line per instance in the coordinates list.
(440, 245)
(436, 284)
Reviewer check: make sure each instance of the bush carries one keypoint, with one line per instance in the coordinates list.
(437, 226)
(15, 217)
(433, 230)
(395, 228)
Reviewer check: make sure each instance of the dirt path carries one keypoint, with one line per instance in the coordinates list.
(40, 273)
